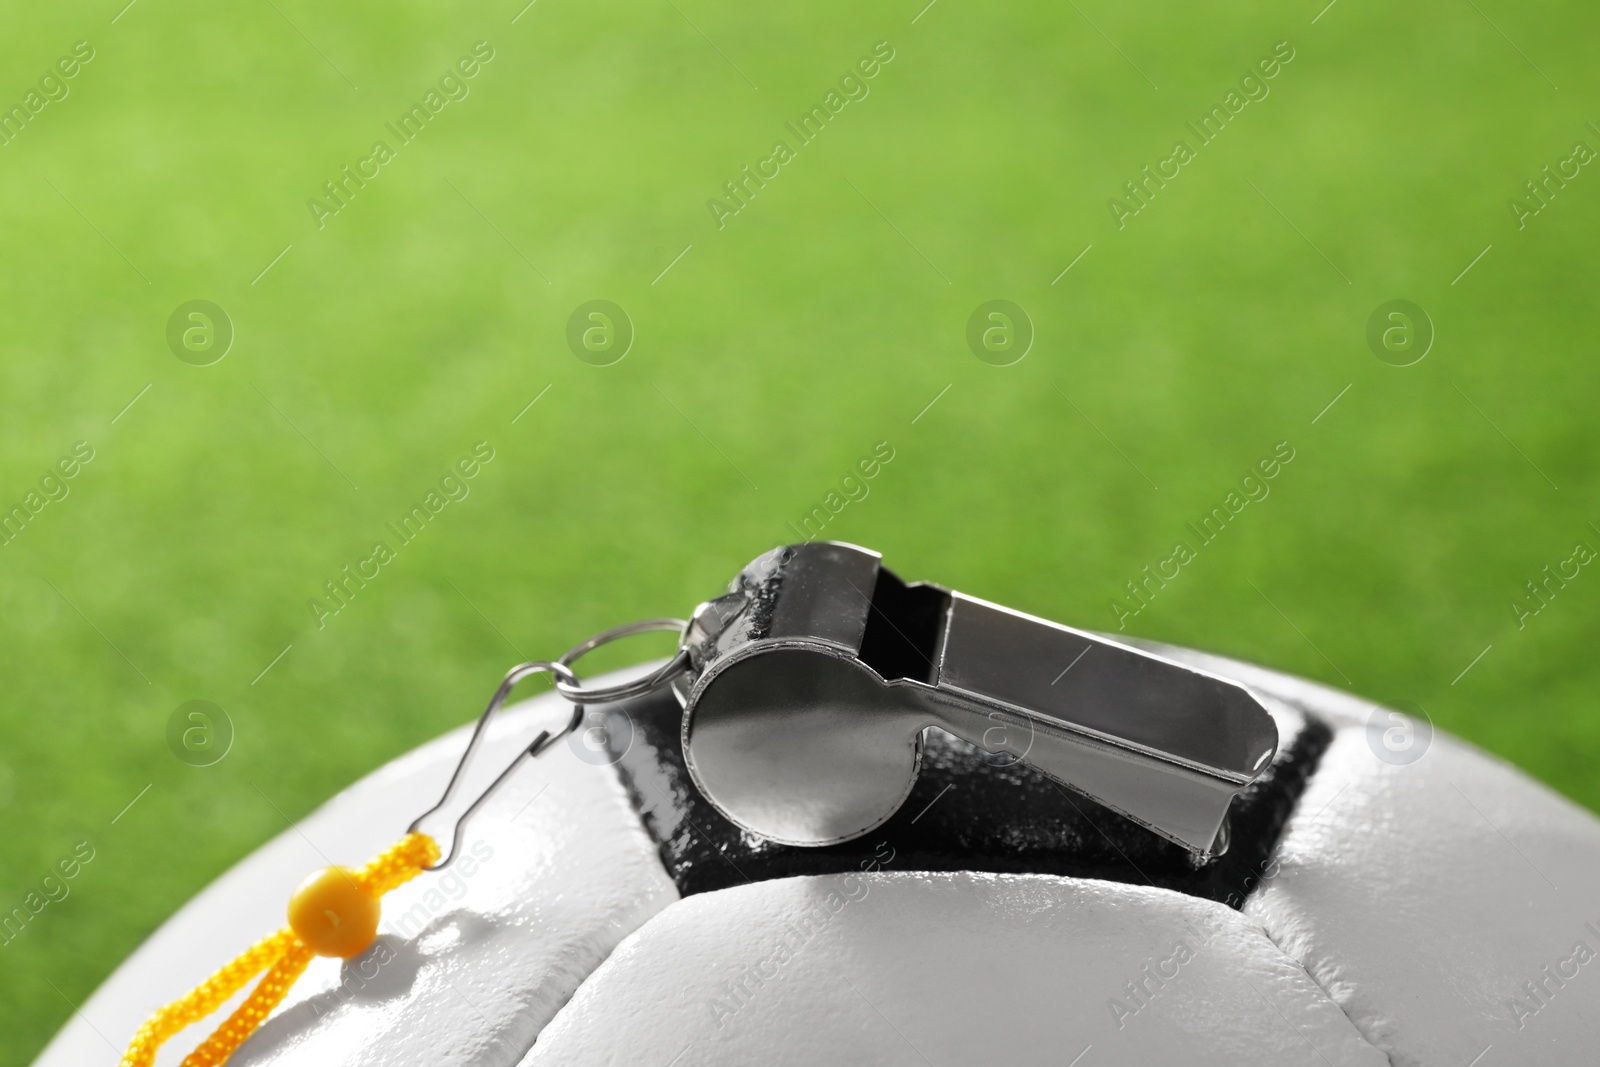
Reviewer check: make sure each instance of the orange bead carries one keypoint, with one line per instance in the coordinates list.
(333, 915)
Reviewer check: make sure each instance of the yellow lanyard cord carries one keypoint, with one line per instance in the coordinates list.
(333, 913)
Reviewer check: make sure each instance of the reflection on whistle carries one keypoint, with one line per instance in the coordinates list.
(812, 681)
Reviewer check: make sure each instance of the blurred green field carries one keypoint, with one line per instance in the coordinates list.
(771, 353)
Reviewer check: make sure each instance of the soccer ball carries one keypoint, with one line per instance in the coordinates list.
(1390, 896)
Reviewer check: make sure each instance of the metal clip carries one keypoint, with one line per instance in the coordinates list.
(539, 744)
(808, 688)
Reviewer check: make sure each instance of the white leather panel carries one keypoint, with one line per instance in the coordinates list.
(1451, 906)
(915, 968)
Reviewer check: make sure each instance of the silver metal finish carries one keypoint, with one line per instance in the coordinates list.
(566, 682)
(808, 687)
(538, 745)
(638, 686)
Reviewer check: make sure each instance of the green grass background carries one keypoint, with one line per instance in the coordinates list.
(774, 354)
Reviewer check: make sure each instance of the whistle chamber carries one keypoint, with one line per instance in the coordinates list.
(809, 686)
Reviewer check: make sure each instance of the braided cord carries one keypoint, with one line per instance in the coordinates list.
(282, 955)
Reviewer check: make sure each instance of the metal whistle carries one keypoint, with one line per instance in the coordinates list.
(809, 685)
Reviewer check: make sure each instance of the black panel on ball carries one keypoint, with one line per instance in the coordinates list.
(967, 812)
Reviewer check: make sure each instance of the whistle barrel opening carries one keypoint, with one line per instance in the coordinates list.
(905, 629)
